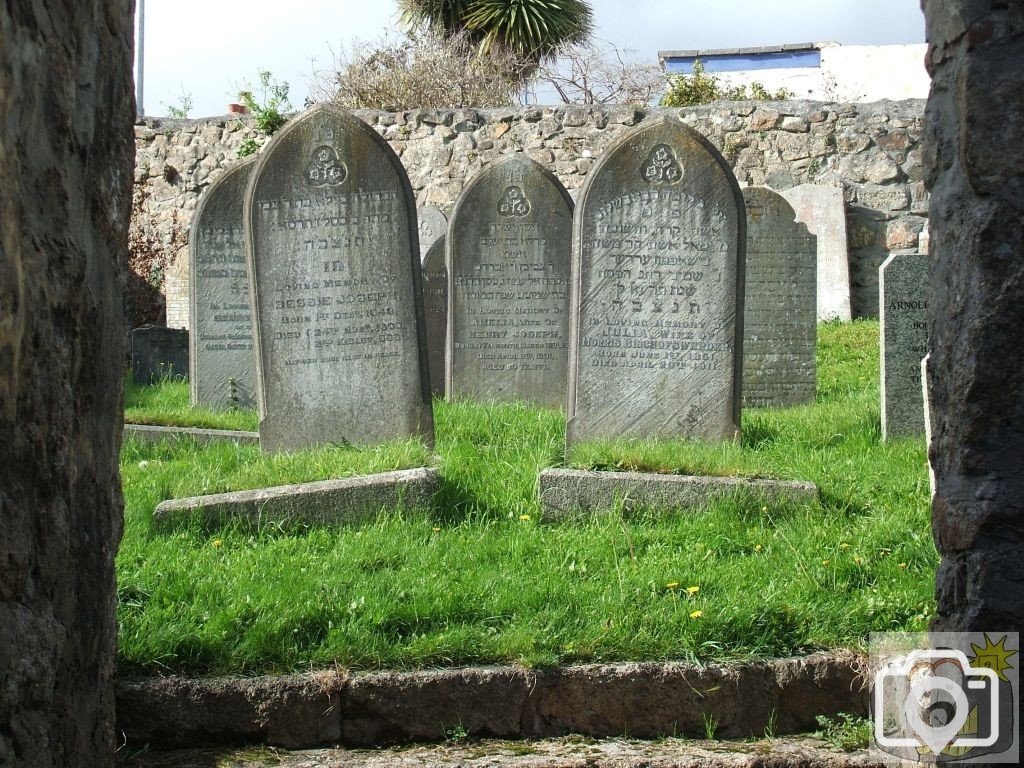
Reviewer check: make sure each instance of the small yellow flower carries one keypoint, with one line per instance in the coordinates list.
(758, 547)
(825, 562)
(844, 545)
(218, 543)
(696, 614)
(692, 590)
(436, 529)
(524, 518)
(672, 585)
(764, 509)
(858, 560)
(903, 565)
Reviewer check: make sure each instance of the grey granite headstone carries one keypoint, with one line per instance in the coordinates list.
(823, 210)
(903, 306)
(220, 349)
(335, 284)
(658, 252)
(159, 353)
(509, 242)
(780, 308)
(433, 225)
(435, 305)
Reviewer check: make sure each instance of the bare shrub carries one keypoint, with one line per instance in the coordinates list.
(601, 73)
(419, 70)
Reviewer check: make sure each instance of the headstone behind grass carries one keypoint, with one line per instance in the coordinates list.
(780, 310)
(656, 342)
(823, 210)
(159, 354)
(903, 306)
(435, 306)
(433, 225)
(508, 303)
(336, 288)
(220, 352)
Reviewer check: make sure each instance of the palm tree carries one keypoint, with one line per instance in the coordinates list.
(533, 30)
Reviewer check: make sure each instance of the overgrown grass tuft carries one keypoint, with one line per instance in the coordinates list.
(480, 578)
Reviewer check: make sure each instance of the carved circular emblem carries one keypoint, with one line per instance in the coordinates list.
(325, 169)
(513, 203)
(662, 167)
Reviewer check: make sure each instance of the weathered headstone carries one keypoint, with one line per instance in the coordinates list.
(508, 302)
(221, 359)
(435, 306)
(823, 210)
(780, 306)
(658, 244)
(903, 308)
(334, 275)
(159, 353)
(433, 225)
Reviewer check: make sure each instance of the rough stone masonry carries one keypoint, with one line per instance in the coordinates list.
(974, 158)
(871, 151)
(66, 152)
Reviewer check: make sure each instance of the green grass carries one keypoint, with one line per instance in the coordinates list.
(167, 404)
(481, 578)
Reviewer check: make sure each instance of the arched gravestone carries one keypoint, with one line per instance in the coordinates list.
(334, 277)
(435, 306)
(779, 305)
(220, 342)
(657, 300)
(433, 225)
(508, 302)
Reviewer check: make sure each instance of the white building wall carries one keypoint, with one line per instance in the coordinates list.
(848, 74)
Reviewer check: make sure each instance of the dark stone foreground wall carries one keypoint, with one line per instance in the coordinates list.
(872, 151)
(66, 153)
(975, 168)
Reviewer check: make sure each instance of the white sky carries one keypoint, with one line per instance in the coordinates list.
(208, 49)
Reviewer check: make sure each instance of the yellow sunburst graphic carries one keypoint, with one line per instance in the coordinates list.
(994, 656)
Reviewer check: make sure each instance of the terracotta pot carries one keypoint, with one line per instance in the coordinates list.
(238, 109)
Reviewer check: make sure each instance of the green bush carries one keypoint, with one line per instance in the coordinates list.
(702, 88)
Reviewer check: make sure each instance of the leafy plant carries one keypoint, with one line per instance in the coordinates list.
(699, 87)
(710, 725)
(180, 110)
(269, 110)
(248, 147)
(844, 732)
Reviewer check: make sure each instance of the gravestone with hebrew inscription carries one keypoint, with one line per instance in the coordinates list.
(780, 305)
(509, 243)
(657, 337)
(435, 306)
(220, 344)
(335, 284)
(903, 309)
(433, 225)
(823, 210)
(159, 354)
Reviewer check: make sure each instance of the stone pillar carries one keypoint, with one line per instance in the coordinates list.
(974, 157)
(66, 158)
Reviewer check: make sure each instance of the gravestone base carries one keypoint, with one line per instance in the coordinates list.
(327, 502)
(571, 492)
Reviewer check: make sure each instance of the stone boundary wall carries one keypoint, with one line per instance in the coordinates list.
(871, 150)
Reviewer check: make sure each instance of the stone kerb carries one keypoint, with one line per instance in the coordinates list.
(903, 299)
(326, 502)
(657, 296)
(335, 285)
(220, 343)
(779, 312)
(567, 493)
(508, 286)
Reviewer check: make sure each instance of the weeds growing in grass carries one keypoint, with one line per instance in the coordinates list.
(844, 732)
(481, 578)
